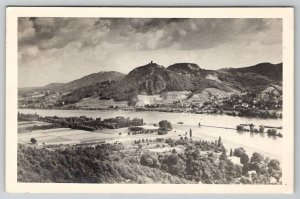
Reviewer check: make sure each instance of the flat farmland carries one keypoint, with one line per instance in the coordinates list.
(25, 124)
(65, 136)
(74, 136)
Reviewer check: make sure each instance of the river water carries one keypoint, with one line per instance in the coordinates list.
(269, 146)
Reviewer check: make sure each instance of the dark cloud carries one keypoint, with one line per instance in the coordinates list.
(43, 34)
(44, 29)
(208, 33)
(52, 32)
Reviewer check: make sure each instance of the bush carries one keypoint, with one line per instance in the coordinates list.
(148, 160)
(171, 159)
(137, 122)
(165, 125)
(255, 166)
(33, 140)
(135, 128)
(162, 132)
(274, 164)
(239, 151)
(244, 159)
(271, 132)
(256, 157)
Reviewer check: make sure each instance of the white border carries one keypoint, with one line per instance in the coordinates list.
(287, 14)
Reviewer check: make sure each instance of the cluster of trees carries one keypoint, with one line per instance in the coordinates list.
(105, 163)
(264, 167)
(201, 161)
(273, 132)
(194, 166)
(43, 127)
(121, 122)
(248, 112)
(204, 145)
(136, 128)
(208, 167)
(144, 140)
(82, 122)
(27, 117)
(213, 166)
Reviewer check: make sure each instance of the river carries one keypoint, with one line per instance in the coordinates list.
(269, 146)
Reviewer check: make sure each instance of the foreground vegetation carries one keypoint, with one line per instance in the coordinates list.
(198, 162)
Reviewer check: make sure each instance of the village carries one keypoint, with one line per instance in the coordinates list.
(243, 106)
(247, 105)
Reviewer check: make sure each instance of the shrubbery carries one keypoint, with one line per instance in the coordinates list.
(165, 125)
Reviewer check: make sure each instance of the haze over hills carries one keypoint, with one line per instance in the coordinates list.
(154, 79)
(79, 83)
(93, 79)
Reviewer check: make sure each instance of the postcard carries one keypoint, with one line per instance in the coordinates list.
(149, 100)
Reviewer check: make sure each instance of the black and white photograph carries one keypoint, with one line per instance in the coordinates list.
(205, 101)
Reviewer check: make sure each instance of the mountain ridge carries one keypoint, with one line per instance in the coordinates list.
(155, 79)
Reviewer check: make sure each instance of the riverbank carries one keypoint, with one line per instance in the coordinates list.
(252, 141)
(246, 113)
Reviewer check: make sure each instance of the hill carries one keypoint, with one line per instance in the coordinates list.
(152, 79)
(78, 83)
(93, 79)
(271, 71)
(148, 79)
(53, 86)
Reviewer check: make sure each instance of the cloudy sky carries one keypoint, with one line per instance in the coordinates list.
(64, 49)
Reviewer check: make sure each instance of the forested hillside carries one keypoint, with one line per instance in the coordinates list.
(201, 161)
(154, 79)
